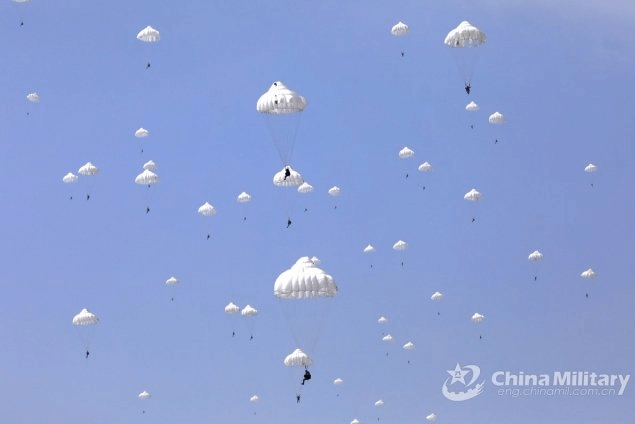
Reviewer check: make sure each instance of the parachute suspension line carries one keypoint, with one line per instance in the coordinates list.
(283, 138)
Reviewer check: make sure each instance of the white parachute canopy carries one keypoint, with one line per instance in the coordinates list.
(70, 178)
(207, 209)
(465, 35)
(304, 280)
(379, 403)
(294, 179)
(409, 346)
(382, 320)
(338, 381)
(355, 421)
(335, 191)
(149, 35)
(84, 317)
(144, 395)
(369, 249)
(305, 188)
(589, 273)
(590, 168)
(399, 29)
(150, 166)
(88, 169)
(432, 417)
(33, 97)
(535, 256)
(243, 197)
(231, 308)
(472, 107)
(472, 195)
(496, 118)
(147, 177)
(141, 133)
(425, 167)
(254, 398)
(387, 338)
(477, 318)
(280, 100)
(297, 358)
(172, 281)
(406, 153)
(249, 311)
(400, 245)
(436, 296)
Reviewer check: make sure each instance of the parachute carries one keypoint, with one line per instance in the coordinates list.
(70, 178)
(369, 249)
(207, 209)
(231, 308)
(477, 318)
(292, 180)
(432, 417)
(282, 106)
(465, 35)
(85, 321)
(303, 291)
(145, 395)
(243, 197)
(379, 403)
(305, 188)
(409, 346)
(406, 153)
(399, 29)
(382, 320)
(147, 177)
(465, 40)
(141, 133)
(425, 167)
(249, 311)
(436, 296)
(172, 281)
(84, 317)
(472, 107)
(298, 358)
(589, 273)
(387, 338)
(150, 166)
(149, 35)
(496, 118)
(338, 381)
(304, 280)
(472, 195)
(535, 256)
(254, 398)
(590, 168)
(400, 245)
(33, 97)
(88, 170)
(335, 191)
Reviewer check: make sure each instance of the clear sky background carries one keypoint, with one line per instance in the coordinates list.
(562, 74)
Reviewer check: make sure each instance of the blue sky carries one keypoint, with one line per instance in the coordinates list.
(561, 74)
